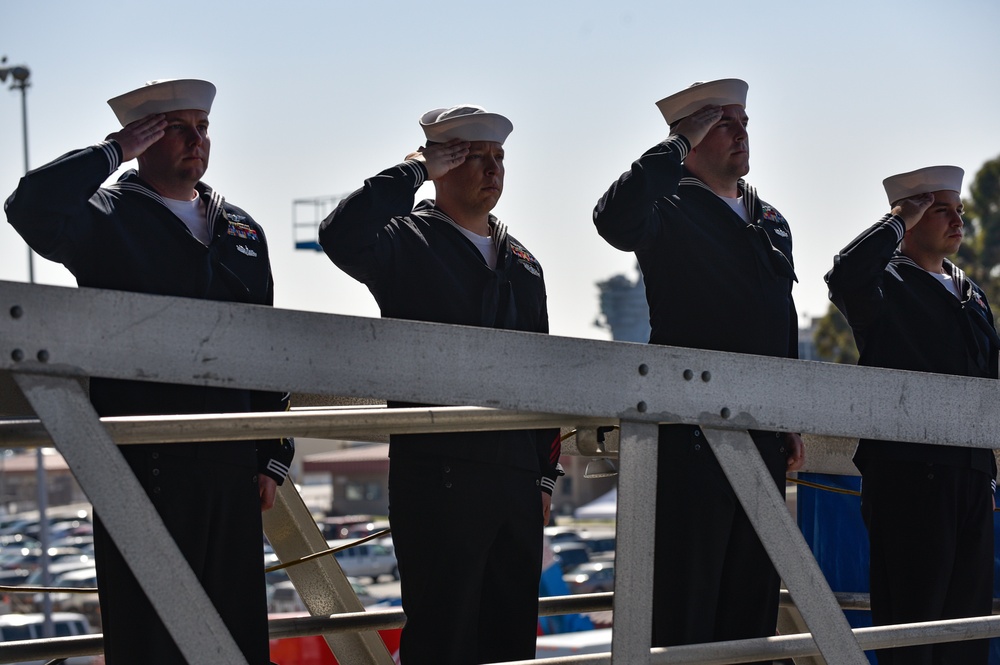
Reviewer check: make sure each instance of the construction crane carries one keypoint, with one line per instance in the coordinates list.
(307, 214)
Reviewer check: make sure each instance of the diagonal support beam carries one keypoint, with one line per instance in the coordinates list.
(633, 604)
(784, 543)
(131, 519)
(321, 583)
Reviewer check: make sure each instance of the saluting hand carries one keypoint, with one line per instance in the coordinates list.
(795, 456)
(912, 209)
(441, 157)
(697, 125)
(135, 137)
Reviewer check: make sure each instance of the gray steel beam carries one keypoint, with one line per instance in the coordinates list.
(156, 338)
(312, 423)
(794, 561)
(131, 519)
(786, 646)
(92, 645)
(635, 529)
(52, 331)
(321, 583)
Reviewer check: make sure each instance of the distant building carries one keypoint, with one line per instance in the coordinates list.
(623, 309)
(357, 476)
(625, 313)
(807, 344)
(19, 481)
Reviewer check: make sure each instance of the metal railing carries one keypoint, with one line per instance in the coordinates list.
(50, 337)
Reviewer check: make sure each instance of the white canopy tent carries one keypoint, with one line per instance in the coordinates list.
(601, 508)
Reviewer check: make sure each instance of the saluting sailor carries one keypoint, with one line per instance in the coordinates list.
(466, 509)
(161, 230)
(928, 508)
(717, 263)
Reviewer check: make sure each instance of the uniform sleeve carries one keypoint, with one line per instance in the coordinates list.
(858, 270)
(350, 235)
(52, 206)
(549, 445)
(274, 456)
(626, 216)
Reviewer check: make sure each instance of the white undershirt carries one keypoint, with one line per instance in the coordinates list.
(948, 282)
(483, 243)
(194, 216)
(738, 207)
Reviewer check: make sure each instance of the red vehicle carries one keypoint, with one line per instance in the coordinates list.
(312, 650)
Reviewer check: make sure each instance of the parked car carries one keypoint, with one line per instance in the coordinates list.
(570, 554)
(598, 542)
(561, 534)
(84, 603)
(283, 597)
(59, 568)
(15, 577)
(336, 528)
(12, 540)
(29, 627)
(84, 543)
(28, 557)
(367, 528)
(372, 559)
(592, 577)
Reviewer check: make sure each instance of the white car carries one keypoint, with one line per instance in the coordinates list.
(16, 627)
(371, 559)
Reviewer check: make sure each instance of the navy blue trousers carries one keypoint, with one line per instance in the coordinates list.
(468, 540)
(713, 580)
(212, 510)
(931, 533)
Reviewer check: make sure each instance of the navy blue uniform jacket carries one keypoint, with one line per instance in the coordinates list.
(904, 318)
(420, 267)
(122, 237)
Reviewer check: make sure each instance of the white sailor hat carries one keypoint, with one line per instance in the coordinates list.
(928, 179)
(161, 97)
(717, 93)
(467, 122)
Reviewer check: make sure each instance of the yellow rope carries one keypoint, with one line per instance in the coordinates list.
(828, 488)
(332, 550)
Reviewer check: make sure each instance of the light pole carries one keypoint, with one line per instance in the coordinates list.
(19, 75)
(19, 81)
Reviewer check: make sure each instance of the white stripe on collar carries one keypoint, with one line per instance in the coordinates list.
(214, 207)
(498, 230)
(957, 274)
(747, 191)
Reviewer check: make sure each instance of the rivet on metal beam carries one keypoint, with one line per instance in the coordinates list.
(16, 312)
(641, 407)
(688, 375)
(643, 369)
(725, 413)
(17, 355)
(43, 356)
(706, 376)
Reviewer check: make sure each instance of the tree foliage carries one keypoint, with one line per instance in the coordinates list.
(834, 339)
(979, 255)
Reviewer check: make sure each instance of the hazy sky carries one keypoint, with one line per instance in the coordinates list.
(316, 96)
